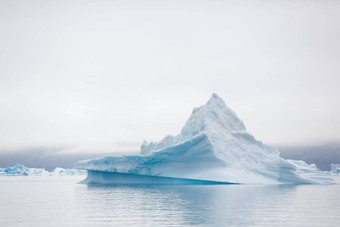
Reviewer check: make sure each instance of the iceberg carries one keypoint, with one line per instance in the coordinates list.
(67, 172)
(335, 168)
(21, 170)
(213, 147)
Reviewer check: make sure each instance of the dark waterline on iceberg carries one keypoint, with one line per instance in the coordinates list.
(95, 177)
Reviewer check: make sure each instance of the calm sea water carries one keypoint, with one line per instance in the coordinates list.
(60, 201)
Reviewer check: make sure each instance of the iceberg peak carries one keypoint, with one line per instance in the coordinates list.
(214, 115)
(212, 118)
(215, 98)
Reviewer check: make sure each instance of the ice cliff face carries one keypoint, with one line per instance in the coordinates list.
(213, 145)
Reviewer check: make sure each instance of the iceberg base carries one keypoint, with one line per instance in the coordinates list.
(103, 177)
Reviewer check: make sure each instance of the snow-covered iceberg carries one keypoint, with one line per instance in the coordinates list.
(212, 147)
(21, 170)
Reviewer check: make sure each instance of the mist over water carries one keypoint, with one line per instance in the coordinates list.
(56, 201)
(322, 156)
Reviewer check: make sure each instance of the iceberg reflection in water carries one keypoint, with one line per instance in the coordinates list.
(221, 205)
(59, 201)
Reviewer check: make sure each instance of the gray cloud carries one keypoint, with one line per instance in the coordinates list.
(49, 158)
(321, 155)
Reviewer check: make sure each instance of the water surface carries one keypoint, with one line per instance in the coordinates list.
(60, 201)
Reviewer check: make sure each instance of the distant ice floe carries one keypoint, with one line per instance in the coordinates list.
(213, 146)
(335, 168)
(21, 170)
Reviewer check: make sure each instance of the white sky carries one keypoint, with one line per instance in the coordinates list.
(105, 75)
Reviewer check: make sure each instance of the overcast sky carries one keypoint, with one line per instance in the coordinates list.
(102, 76)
